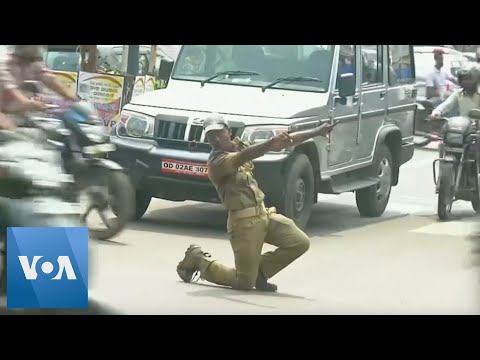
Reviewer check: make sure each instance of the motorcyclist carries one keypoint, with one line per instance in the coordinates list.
(24, 63)
(464, 99)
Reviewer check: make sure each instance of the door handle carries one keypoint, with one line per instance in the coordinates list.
(355, 99)
(383, 94)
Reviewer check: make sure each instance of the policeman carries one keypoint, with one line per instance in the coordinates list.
(249, 224)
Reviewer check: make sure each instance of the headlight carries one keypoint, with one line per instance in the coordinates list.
(136, 125)
(258, 134)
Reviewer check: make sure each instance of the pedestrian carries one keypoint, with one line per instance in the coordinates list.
(250, 224)
(437, 80)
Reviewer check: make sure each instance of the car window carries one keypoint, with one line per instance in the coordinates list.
(402, 64)
(347, 61)
(372, 62)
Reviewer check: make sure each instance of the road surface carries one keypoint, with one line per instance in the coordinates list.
(405, 262)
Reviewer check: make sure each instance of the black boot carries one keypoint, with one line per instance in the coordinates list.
(262, 283)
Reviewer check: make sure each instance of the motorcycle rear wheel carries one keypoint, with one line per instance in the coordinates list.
(445, 191)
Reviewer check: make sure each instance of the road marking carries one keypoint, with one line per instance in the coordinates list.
(452, 228)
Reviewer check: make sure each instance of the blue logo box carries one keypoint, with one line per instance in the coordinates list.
(47, 267)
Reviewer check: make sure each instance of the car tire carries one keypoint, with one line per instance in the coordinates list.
(297, 201)
(142, 202)
(373, 200)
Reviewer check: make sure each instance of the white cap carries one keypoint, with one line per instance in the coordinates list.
(214, 122)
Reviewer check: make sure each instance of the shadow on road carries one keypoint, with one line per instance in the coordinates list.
(327, 218)
(220, 292)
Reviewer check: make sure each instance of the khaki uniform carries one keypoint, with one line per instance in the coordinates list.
(461, 101)
(250, 225)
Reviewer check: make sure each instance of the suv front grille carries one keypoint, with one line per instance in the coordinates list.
(171, 130)
(195, 133)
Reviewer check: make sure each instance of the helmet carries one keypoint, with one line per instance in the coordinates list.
(29, 51)
(468, 70)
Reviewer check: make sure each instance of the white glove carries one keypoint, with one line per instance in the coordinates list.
(436, 113)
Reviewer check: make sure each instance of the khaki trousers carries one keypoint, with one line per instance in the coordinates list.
(247, 237)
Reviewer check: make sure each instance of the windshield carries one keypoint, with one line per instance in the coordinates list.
(62, 60)
(269, 62)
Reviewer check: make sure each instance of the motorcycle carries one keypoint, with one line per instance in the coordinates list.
(84, 145)
(33, 190)
(459, 163)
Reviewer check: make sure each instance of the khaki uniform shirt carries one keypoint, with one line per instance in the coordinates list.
(461, 101)
(236, 186)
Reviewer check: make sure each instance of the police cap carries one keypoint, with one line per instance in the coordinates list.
(214, 122)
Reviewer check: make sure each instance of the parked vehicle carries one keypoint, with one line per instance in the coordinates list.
(459, 163)
(264, 89)
(84, 143)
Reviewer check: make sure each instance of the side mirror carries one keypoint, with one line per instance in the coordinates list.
(346, 85)
(454, 71)
(474, 114)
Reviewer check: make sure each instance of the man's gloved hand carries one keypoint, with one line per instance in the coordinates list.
(434, 115)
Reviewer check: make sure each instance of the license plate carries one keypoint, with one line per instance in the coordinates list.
(184, 168)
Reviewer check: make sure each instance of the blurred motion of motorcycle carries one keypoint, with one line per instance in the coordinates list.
(83, 143)
(33, 190)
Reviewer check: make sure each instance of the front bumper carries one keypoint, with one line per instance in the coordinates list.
(142, 160)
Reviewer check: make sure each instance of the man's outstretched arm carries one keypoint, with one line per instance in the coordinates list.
(230, 162)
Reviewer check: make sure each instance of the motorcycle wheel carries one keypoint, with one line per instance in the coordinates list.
(445, 190)
(122, 191)
(476, 201)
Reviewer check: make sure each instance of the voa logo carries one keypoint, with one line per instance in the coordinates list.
(47, 268)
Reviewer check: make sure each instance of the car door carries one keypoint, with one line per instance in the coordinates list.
(343, 139)
(401, 93)
(373, 99)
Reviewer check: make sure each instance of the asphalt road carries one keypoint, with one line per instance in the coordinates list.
(405, 262)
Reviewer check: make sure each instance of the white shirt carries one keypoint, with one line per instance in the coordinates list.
(438, 79)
